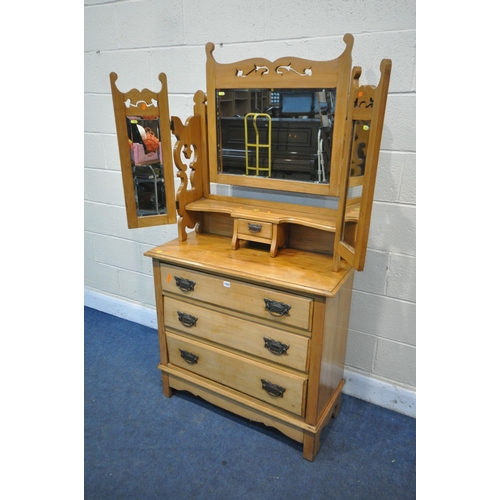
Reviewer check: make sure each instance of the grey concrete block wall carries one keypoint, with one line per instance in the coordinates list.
(139, 39)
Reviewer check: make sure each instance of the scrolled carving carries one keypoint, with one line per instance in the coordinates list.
(141, 100)
(143, 104)
(241, 74)
(185, 153)
(187, 160)
(307, 71)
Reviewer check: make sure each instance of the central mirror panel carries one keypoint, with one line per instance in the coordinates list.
(278, 125)
(277, 133)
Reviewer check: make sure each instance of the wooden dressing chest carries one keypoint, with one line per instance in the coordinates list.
(264, 338)
(253, 298)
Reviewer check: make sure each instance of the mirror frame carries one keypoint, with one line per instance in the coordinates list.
(283, 73)
(367, 103)
(144, 103)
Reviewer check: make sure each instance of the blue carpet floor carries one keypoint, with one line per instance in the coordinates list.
(140, 445)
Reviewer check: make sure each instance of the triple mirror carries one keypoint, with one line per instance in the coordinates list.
(290, 125)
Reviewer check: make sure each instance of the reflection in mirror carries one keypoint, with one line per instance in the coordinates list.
(147, 166)
(277, 133)
(359, 145)
(360, 135)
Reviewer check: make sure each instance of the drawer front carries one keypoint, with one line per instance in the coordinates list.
(279, 307)
(266, 342)
(255, 228)
(281, 389)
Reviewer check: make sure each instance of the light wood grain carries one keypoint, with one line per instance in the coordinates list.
(234, 332)
(274, 212)
(239, 297)
(161, 329)
(292, 270)
(231, 360)
(240, 373)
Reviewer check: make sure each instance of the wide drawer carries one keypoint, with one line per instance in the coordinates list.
(266, 342)
(279, 307)
(281, 389)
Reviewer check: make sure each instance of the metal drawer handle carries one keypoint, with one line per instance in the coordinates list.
(254, 228)
(276, 391)
(277, 308)
(275, 347)
(184, 284)
(189, 357)
(187, 319)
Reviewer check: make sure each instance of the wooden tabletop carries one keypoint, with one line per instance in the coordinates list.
(297, 270)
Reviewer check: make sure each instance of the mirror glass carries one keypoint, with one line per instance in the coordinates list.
(147, 165)
(360, 136)
(359, 145)
(276, 133)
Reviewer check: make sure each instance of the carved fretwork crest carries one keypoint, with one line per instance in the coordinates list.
(364, 97)
(279, 70)
(142, 104)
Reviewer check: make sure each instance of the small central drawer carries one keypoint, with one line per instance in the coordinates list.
(281, 389)
(279, 307)
(254, 229)
(272, 344)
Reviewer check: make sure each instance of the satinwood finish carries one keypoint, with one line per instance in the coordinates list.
(213, 307)
(253, 298)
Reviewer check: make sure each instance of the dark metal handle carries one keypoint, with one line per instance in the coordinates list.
(275, 347)
(277, 308)
(276, 391)
(184, 284)
(187, 319)
(189, 357)
(254, 228)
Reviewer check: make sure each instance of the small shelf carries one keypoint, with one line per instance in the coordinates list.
(324, 219)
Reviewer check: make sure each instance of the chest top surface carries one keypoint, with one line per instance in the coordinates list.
(295, 270)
